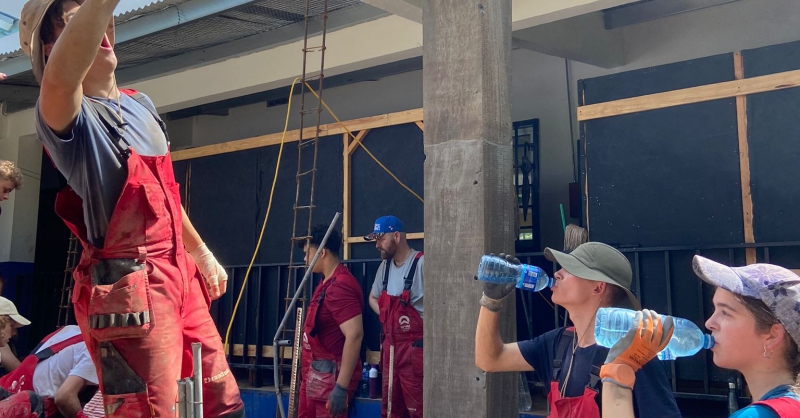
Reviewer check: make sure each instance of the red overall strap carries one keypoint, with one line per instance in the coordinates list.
(55, 348)
(785, 407)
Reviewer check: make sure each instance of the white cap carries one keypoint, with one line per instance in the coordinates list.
(7, 307)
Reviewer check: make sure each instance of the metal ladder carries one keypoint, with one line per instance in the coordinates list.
(65, 307)
(307, 150)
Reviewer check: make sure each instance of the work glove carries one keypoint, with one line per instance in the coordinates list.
(640, 345)
(494, 293)
(337, 401)
(214, 274)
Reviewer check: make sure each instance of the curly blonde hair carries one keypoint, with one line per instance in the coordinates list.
(4, 320)
(9, 171)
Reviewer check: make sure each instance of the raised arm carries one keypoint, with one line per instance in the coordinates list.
(69, 59)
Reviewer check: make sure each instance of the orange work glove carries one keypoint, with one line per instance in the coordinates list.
(640, 345)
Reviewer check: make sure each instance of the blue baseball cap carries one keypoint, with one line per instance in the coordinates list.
(383, 225)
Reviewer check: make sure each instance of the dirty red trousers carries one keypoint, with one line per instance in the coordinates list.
(139, 327)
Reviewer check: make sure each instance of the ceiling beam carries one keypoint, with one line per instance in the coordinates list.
(12, 93)
(145, 25)
(632, 14)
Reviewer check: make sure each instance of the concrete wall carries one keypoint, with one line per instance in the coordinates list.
(20, 211)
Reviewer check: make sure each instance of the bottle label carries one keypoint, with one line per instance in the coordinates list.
(531, 277)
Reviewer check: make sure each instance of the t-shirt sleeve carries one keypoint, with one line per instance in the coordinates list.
(653, 393)
(539, 353)
(84, 367)
(377, 285)
(60, 148)
(344, 302)
(417, 286)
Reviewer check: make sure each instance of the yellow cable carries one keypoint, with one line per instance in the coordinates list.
(266, 216)
(362, 145)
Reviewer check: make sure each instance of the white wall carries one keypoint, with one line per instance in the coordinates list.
(20, 212)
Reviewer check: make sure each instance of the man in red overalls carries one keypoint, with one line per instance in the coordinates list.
(396, 297)
(139, 298)
(332, 333)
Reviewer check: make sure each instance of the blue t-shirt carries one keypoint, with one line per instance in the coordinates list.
(90, 161)
(761, 411)
(652, 385)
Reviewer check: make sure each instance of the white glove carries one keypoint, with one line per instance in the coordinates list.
(214, 274)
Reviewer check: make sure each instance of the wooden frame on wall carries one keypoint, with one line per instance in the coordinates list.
(360, 128)
(739, 88)
(349, 148)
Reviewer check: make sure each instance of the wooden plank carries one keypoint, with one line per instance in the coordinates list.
(728, 89)
(380, 121)
(421, 126)
(266, 352)
(410, 235)
(251, 350)
(346, 195)
(744, 163)
(373, 357)
(238, 349)
(359, 137)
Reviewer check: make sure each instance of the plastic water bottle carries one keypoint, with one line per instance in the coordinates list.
(374, 383)
(363, 386)
(612, 324)
(525, 402)
(494, 269)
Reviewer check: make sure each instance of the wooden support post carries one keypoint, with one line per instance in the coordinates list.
(469, 211)
(346, 198)
(359, 138)
(744, 163)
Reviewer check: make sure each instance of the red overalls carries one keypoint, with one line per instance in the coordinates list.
(21, 378)
(584, 406)
(319, 368)
(402, 328)
(785, 407)
(139, 327)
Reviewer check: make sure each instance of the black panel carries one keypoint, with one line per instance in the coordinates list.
(773, 133)
(665, 177)
(328, 185)
(680, 75)
(374, 192)
(771, 59)
(222, 204)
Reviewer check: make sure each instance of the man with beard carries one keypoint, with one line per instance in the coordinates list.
(397, 299)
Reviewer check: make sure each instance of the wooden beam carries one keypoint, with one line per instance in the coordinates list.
(728, 89)
(467, 172)
(409, 236)
(346, 194)
(421, 126)
(390, 119)
(359, 137)
(267, 350)
(744, 163)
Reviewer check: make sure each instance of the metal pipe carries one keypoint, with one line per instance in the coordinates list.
(290, 308)
(182, 399)
(198, 380)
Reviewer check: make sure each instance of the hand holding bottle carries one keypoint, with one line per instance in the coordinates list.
(493, 293)
(640, 345)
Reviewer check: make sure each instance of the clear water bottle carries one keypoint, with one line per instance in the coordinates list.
(494, 269)
(525, 402)
(363, 386)
(612, 324)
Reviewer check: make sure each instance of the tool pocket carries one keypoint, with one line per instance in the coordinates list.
(120, 308)
(320, 380)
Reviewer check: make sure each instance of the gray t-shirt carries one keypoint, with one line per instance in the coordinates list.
(90, 162)
(397, 275)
